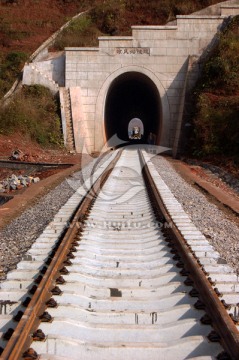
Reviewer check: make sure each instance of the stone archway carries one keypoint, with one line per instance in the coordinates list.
(119, 79)
(131, 95)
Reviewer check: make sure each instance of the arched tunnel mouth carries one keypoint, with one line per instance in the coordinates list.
(132, 95)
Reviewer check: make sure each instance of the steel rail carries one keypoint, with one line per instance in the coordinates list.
(21, 338)
(221, 320)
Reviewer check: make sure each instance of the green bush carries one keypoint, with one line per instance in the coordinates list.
(221, 70)
(80, 32)
(33, 112)
(108, 15)
(217, 126)
(14, 60)
(216, 119)
(10, 66)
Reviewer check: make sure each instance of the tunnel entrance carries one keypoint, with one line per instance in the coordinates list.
(132, 95)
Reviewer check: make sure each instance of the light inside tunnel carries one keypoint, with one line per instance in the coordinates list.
(132, 95)
(135, 129)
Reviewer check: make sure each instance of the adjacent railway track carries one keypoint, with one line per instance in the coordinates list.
(122, 280)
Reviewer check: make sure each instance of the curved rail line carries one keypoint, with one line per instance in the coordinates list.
(122, 281)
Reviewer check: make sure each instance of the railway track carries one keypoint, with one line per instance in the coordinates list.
(131, 277)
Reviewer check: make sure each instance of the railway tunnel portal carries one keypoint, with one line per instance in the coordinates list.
(146, 76)
(133, 99)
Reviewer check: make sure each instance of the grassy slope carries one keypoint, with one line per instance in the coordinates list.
(23, 27)
(216, 119)
(34, 113)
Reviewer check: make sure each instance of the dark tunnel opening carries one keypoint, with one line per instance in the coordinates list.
(132, 95)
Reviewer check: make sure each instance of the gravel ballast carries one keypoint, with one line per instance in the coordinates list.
(221, 232)
(18, 236)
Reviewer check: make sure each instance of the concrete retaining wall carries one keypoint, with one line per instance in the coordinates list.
(52, 67)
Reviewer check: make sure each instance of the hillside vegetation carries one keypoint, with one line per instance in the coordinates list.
(34, 113)
(216, 99)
